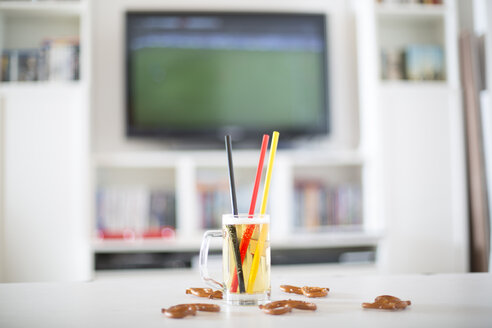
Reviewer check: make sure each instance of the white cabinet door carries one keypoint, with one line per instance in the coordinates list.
(45, 173)
(424, 180)
(2, 243)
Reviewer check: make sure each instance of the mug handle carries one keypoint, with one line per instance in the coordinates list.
(203, 258)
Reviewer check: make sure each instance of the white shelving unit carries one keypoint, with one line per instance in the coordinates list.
(405, 140)
(44, 146)
(413, 137)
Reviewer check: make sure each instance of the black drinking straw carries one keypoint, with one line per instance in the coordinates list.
(231, 228)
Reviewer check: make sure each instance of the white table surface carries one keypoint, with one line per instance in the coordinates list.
(443, 300)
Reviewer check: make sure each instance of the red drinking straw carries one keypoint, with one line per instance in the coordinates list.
(251, 228)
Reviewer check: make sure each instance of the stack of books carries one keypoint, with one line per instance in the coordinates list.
(131, 213)
(55, 60)
(319, 207)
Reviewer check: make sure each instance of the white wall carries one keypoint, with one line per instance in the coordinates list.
(108, 66)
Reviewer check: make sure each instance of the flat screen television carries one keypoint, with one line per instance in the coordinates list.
(201, 75)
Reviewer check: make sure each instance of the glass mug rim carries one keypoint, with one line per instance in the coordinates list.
(244, 218)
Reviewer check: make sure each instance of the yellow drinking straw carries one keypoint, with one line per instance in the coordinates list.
(264, 231)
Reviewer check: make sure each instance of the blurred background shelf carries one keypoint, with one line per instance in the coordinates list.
(414, 40)
(43, 8)
(40, 86)
(411, 10)
(146, 245)
(43, 41)
(413, 84)
(217, 158)
(298, 241)
(198, 182)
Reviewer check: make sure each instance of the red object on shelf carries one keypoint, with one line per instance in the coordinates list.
(124, 234)
(127, 234)
(163, 232)
(110, 235)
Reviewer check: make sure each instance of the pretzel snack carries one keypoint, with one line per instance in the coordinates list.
(282, 307)
(387, 302)
(182, 310)
(291, 289)
(205, 292)
(306, 291)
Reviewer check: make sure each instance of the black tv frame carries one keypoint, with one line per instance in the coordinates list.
(239, 134)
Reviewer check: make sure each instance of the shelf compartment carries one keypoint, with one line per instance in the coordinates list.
(26, 31)
(327, 199)
(135, 203)
(39, 86)
(40, 41)
(412, 47)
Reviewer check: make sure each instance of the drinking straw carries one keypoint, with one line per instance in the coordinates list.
(264, 231)
(230, 227)
(251, 228)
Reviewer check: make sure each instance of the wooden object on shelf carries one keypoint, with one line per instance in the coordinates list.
(477, 186)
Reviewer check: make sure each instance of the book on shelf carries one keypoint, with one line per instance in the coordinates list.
(312, 205)
(4, 66)
(424, 62)
(133, 213)
(424, 2)
(392, 64)
(418, 62)
(214, 200)
(320, 206)
(57, 59)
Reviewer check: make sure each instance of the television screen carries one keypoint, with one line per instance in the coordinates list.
(205, 74)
